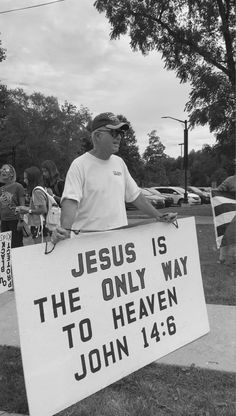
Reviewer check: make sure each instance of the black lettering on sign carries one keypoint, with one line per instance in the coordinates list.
(161, 244)
(175, 268)
(124, 284)
(64, 302)
(85, 331)
(58, 304)
(104, 259)
(99, 358)
(40, 302)
(130, 312)
(90, 261)
(130, 252)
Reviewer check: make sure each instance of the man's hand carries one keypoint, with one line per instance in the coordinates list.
(59, 234)
(168, 217)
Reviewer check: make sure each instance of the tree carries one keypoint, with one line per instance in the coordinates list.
(2, 53)
(129, 152)
(196, 39)
(38, 128)
(154, 157)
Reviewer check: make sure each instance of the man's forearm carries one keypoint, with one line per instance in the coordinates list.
(68, 212)
(146, 207)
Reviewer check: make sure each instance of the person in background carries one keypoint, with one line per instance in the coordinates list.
(38, 205)
(228, 243)
(12, 194)
(98, 183)
(52, 181)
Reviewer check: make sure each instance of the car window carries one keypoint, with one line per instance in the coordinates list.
(179, 189)
(164, 190)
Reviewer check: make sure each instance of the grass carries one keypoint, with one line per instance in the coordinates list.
(218, 279)
(157, 389)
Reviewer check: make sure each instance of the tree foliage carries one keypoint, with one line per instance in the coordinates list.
(154, 158)
(130, 153)
(196, 39)
(37, 128)
(2, 52)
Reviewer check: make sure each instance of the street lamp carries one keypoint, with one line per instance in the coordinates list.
(185, 155)
(181, 153)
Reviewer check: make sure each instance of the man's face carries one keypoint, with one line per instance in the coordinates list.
(110, 140)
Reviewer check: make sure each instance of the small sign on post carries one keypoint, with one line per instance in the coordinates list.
(103, 305)
(5, 262)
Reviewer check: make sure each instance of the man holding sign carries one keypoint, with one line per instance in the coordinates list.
(98, 184)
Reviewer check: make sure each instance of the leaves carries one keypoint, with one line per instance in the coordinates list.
(196, 39)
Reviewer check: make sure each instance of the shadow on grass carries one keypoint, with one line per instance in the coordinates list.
(156, 389)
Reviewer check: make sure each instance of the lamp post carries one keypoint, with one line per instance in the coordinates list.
(185, 155)
(181, 155)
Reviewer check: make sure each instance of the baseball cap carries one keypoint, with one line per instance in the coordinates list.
(108, 120)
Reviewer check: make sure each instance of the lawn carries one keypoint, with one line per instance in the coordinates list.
(219, 280)
(155, 390)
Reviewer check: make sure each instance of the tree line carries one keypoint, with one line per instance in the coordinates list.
(35, 127)
(196, 40)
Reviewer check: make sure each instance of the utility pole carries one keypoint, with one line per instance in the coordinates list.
(181, 155)
(185, 155)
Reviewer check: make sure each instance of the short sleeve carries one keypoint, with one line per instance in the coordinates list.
(132, 190)
(73, 188)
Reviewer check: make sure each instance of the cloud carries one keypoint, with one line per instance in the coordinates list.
(64, 50)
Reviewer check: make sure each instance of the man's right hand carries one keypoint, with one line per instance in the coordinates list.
(59, 234)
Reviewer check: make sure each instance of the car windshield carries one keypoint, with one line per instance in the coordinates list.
(180, 189)
(155, 192)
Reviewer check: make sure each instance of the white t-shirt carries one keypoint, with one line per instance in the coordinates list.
(101, 188)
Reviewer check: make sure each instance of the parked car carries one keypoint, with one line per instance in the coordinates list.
(158, 201)
(177, 193)
(169, 201)
(206, 189)
(205, 196)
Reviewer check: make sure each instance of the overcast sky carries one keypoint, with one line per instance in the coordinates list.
(64, 50)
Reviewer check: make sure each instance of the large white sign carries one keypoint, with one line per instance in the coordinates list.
(5, 262)
(103, 305)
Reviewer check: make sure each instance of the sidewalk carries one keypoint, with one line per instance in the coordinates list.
(216, 350)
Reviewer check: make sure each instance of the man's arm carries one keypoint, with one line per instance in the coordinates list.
(68, 213)
(146, 207)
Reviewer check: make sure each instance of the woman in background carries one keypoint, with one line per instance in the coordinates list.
(38, 206)
(52, 181)
(12, 194)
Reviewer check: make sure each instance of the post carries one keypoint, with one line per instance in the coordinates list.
(181, 153)
(185, 122)
(185, 162)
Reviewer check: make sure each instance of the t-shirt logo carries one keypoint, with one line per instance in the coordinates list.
(6, 199)
(116, 172)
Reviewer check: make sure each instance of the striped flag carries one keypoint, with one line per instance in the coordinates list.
(224, 215)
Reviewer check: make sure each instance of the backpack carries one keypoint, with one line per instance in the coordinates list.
(52, 219)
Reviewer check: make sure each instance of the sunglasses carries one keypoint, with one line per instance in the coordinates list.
(7, 170)
(115, 133)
